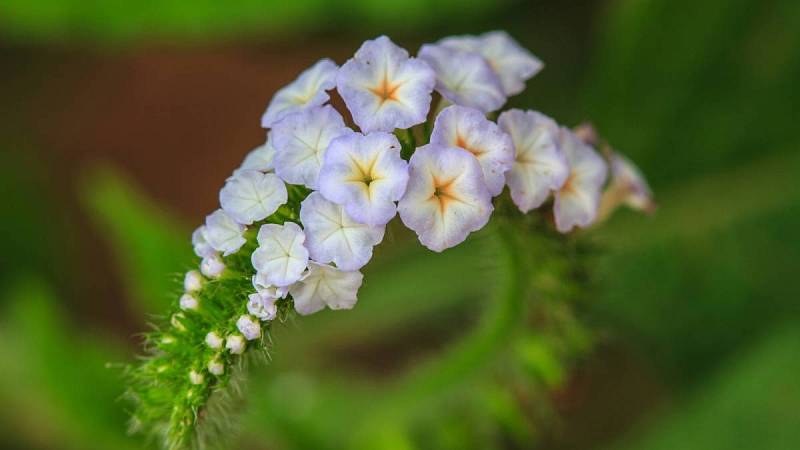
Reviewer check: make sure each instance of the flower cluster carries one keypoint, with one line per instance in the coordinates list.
(415, 139)
(360, 178)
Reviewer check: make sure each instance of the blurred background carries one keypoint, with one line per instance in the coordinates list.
(119, 122)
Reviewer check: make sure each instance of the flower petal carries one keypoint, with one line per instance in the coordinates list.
(366, 175)
(223, 233)
(469, 129)
(260, 158)
(280, 256)
(326, 285)
(300, 142)
(307, 91)
(539, 164)
(446, 198)
(578, 199)
(200, 245)
(383, 88)
(464, 77)
(333, 236)
(250, 196)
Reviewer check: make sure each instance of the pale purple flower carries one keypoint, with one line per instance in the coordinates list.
(250, 196)
(384, 88)
(261, 158)
(307, 91)
(200, 245)
(446, 198)
(469, 129)
(249, 327)
(300, 141)
(540, 166)
(223, 233)
(325, 285)
(629, 185)
(280, 256)
(578, 199)
(262, 306)
(464, 77)
(366, 175)
(333, 236)
(513, 64)
(212, 266)
(192, 281)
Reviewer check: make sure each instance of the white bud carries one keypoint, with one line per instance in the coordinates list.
(196, 378)
(193, 281)
(214, 341)
(168, 340)
(235, 344)
(249, 327)
(215, 367)
(188, 302)
(212, 266)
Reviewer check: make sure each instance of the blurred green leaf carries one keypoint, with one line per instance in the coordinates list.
(55, 387)
(751, 403)
(153, 250)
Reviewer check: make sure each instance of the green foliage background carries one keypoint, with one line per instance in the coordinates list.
(703, 294)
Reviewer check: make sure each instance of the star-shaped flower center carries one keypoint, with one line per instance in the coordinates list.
(386, 90)
(462, 142)
(444, 193)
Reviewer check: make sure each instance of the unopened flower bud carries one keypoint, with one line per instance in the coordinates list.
(212, 266)
(193, 281)
(215, 367)
(214, 341)
(249, 327)
(235, 344)
(196, 377)
(188, 301)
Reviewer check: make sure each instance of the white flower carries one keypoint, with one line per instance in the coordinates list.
(193, 281)
(249, 327)
(212, 266)
(187, 301)
(250, 196)
(196, 378)
(213, 340)
(260, 158)
(366, 175)
(265, 288)
(578, 199)
(383, 88)
(629, 185)
(200, 245)
(215, 367)
(464, 77)
(280, 256)
(539, 165)
(325, 285)
(262, 306)
(224, 233)
(307, 91)
(512, 63)
(468, 128)
(235, 344)
(301, 140)
(333, 236)
(446, 197)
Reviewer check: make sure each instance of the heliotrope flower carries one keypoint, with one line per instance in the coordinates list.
(333, 236)
(200, 245)
(223, 233)
(212, 266)
(469, 129)
(250, 196)
(366, 175)
(300, 141)
(249, 327)
(235, 344)
(192, 281)
(261, 306)
(261, 158)
(446, 198)
(513, 64)
(325, 285)
(280, 256)
(384, 88)
(464, 77)
(307, 91)
(214, 341)
(628, 185)
(539, 164)
(578, 199)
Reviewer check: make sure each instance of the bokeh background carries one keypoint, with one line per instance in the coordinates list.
(119, 122)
